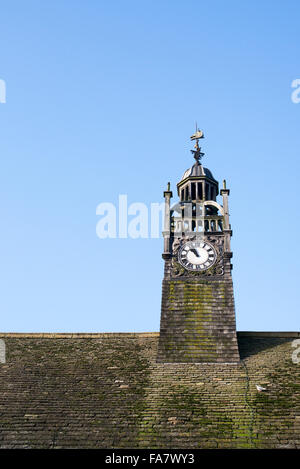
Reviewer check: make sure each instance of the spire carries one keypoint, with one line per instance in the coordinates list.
(197, 153)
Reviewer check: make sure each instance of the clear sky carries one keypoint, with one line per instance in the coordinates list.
(101, 98)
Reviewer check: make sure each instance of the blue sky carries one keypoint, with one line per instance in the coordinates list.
(101, 100)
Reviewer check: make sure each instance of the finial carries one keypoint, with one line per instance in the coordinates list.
(224, 183)
(169, 187)
(197, 153)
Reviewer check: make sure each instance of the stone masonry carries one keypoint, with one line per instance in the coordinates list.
(198, 319)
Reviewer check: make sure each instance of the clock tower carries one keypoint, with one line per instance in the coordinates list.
(197, 314)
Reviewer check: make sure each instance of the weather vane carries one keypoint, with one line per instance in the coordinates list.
(197, 153)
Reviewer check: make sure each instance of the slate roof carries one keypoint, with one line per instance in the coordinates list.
(107, 391)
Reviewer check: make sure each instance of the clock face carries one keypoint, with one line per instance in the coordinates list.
(197, 255)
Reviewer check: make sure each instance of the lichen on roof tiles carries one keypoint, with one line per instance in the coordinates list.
(108, 391)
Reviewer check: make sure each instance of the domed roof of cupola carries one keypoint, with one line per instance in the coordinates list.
(197, 170)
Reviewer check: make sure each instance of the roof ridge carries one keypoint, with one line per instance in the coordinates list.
(76, 335)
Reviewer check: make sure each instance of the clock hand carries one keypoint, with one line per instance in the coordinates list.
(195, 252)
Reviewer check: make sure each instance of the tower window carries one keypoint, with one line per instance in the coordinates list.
(206, 191)
(187, 193)
(193, 191)
(200, 194)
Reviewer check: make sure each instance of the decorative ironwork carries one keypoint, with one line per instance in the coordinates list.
(197, 153)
